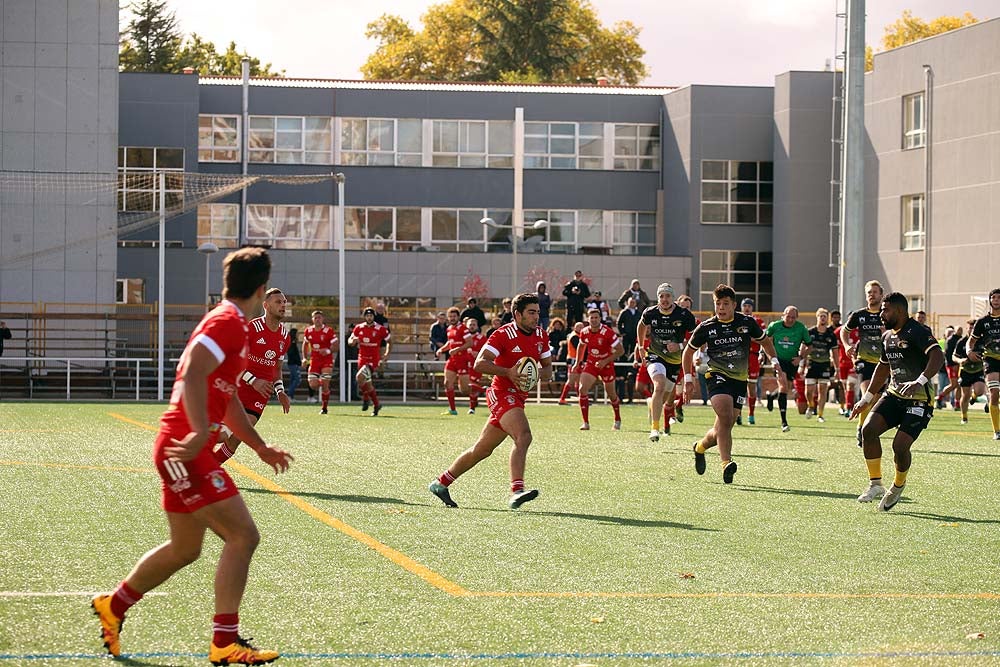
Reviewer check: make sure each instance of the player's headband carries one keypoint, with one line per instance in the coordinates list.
(665, 288)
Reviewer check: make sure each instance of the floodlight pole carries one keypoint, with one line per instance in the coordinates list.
(517, 219)
(339, 179)
(161, 287)
(852, 205)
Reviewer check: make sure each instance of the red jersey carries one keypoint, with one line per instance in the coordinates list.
(265, 348)
(223, 331)
(509, 344)
(854, 336)
(370, 340)
(457, 335)
(320, 340)
(599, 343)
(478, 341)
(754, 345)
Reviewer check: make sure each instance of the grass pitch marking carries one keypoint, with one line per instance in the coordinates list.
(76, 466)
(451, 588)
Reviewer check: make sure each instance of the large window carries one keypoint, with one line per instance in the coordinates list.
(219, 224)
(914, 126)
(563, 145)
(737, 192)
(637, 147)
(139, 181)
(747, 272)
(130, 290)
(634, 233)
(381, 228)
(913, 223)
(458, 229)
(218, 138)
(289, 226)
(473, 143)
(381, 141)
(291, 139)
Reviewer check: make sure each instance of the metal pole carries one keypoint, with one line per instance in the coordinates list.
(928, 92)
(245, 144)
(161, 305)
(852, 211)
(208, 303)
(517, 216)
(339, 178)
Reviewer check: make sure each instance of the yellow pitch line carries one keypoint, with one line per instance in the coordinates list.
(43, 464)
(399, 558)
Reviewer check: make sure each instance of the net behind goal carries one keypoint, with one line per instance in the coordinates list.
(134, 196)
(980, 306)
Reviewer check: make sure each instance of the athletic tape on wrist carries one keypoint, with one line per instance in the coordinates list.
(248, 377)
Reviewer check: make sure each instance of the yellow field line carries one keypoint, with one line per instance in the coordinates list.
(451, 588)
(399, 558)
(43, 464)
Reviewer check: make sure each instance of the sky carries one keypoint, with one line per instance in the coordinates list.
(732, 42)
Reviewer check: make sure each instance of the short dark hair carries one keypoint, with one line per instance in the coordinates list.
(471, 299)
(921, 312)
(897, 299)
(523, 300)
(834, 312)
(455, 310)
(273, 290)
(244, 271)
(995, 290)
(722, 291)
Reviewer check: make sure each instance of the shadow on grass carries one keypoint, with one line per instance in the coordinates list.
(622, 521)
(797, 459)
(944, 518)
(346, 498)
(799, 492)
(989, 456)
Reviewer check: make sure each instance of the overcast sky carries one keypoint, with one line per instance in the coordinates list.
(743, 42)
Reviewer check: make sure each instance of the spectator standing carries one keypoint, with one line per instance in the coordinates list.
(472, 309)
(5, 334)
(577, 294)
(294, 362)
(600, 304)
(628, 320)
(505, 315)
(544, 304)
(439, 332)
(636, 292)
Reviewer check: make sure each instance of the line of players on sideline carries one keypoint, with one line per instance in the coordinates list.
(222, 361)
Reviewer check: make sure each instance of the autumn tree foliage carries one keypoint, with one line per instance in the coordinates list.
(909, 28)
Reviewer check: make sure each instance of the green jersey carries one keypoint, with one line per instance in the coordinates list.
(788, 340)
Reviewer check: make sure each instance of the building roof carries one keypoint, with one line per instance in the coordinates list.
(449, 86)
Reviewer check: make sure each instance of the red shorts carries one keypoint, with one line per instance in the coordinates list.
(460, 365)
(952, 371)
(371, 362)
(606, 374)
(317, 363)
(501, 404)
(845, 371)
(475, 378)
(642, 376)
(253, 401)
(191, 485)
(753, 367)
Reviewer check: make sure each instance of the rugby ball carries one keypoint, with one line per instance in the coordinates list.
(527, 367)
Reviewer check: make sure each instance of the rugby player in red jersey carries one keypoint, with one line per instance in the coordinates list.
(601, 346)
(505, 398)
(478, 341)
(318, 344)
(198, 495)
(369, 336)
(753, 373)
(456, 369)
(267, 344)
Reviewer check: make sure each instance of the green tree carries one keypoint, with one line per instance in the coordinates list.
(151, 39)
(909, 28)
(539, 41)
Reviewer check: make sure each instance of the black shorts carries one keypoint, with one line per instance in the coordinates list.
(819, 370)
(911, 417)
(992, 365)
(865, 369)
(969, 379)
(723, 385)
(672, 371)
(789, 368)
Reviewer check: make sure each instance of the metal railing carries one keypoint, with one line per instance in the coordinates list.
(36, 368)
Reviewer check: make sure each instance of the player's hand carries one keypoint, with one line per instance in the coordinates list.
(187, 448)
(278, 459)
(263, 387)
(972, 355)
(688, 392)
(286, 403)
(437, 353)
(909, 388)
(853, 351)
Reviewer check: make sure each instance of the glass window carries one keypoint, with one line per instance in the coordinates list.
(218, 224)
(637, 147)
(563, 145)
(734, 191)
(139, 181)
(913, 222)
(218, 138)
(289, 226)
(914, 131)
(747, 272)
(290, 139)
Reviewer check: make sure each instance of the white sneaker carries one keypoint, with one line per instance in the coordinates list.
(785, 428)
(874, 492)
(809, 413)
(996, 436)
(964, 421)
(654, 435)
(617, 426)
(522, 497)
(890, 498)
(820, 420)
(585, 426)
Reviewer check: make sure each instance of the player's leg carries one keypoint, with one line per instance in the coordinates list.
(515, 422)
(725, 418)
(658, 375)
(612, 392)
(489, 439)
(822, 395)
(993, 386)
(228, 442)
(372, 391)
(325, 376)
(571, 379)
(902, 459)
(879, 420)
(450, 380)
(811, 399)
(786, 376)
(587, 381)
(751, 394)
(965, 393)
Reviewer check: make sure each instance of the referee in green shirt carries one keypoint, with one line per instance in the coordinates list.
(791, 342)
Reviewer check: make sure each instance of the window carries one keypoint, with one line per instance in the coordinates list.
(218, 224)
(381, 141)
(472, 143)
(634, 233)
(563, 145)
(455, 230)
(637, 147)
(139, 182)
(747, 272)
(130, 290)
(914, 130)
(381, 228)
(291, 139)
(289, 226)
(737, 192)
(218, 138)
(913, 222)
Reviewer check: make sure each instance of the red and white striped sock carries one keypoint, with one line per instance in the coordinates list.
(225, 629)
(123, 598)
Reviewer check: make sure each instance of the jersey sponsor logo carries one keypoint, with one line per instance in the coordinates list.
(742, 330)
(270, 354)
(902, 344)
(726, 341)
(217, 480)
(892, 354)
(262, 362)
(224, 387)
(712, 332)
(180, 485)
(915, 410)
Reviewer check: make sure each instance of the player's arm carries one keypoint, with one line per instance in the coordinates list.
(617, 351)
(388, 349)
(879, 378)
(485, 365)
(687, 366)
(767, 346)
(279, 389)
(353, 340)
(640, 336)
(845, 338)
(545, 372)
(970, 348)
(935, 360)
(306, 350)
(201, 362)
(236, 420)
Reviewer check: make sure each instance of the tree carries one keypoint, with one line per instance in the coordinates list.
(152, 42)
(538, 41)
(909, 28)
